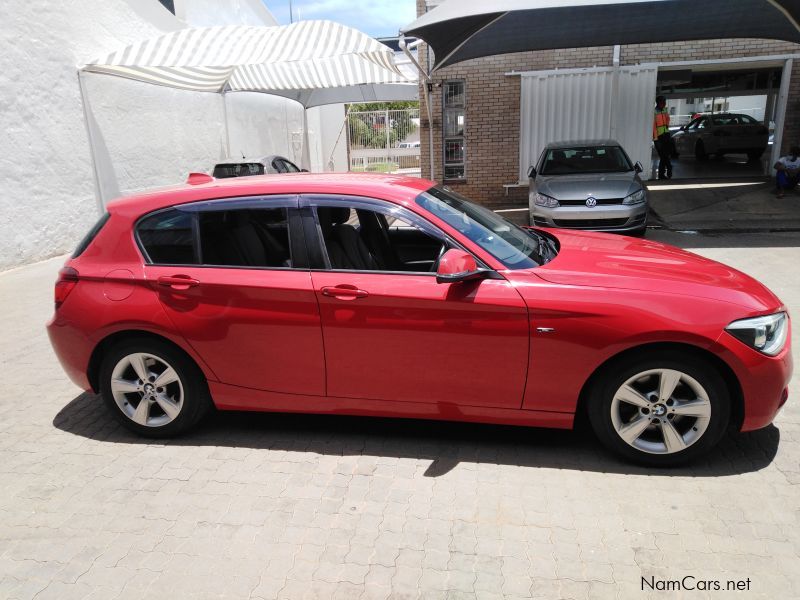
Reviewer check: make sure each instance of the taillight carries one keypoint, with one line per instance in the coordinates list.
(67, 280)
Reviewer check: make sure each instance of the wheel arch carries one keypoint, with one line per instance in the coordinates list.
(724, 370)
(108, 342)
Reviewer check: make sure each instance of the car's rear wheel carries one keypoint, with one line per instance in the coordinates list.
(152, 388)
(663, 410)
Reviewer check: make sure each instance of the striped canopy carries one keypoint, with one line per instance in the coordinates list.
(301, 61)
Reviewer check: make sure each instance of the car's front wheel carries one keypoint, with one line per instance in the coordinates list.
(662, 410)
(152, 388)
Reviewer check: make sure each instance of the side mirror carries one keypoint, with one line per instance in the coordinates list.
(531, 172)
(638, 167)
(456, 265)
(304, 170)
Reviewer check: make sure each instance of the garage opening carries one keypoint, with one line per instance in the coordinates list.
(722, 118)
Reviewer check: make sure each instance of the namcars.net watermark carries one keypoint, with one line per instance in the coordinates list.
(690, 583)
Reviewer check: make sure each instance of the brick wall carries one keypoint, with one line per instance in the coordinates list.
(492, 98)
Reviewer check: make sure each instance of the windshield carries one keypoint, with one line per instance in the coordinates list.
(585, 159)
(513, 246)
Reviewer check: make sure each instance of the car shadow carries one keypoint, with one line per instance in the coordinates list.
(445, 444)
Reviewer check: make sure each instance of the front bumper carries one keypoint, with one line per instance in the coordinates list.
(764, 379)
(616, 217)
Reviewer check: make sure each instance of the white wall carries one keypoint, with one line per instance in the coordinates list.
(328, 138)
(209, 13)
(260, 125)
(145, 135)
(581, 104)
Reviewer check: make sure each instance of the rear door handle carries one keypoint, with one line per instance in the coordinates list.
(178, 282)
(344, 292)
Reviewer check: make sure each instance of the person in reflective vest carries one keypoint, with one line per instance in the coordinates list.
(662, 138)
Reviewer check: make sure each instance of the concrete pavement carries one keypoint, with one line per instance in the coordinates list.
(748, 204)
(275, 506)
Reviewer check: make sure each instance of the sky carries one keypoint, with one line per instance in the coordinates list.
(378, 18)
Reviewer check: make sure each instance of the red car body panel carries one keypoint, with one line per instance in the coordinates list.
(516, 349)
(412, 339)
(259, 329)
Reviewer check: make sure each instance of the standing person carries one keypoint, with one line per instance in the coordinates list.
(788, 171)
(662, 138)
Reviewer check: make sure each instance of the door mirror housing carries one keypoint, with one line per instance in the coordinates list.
(638, 167)
(531, 172)
(456, 265)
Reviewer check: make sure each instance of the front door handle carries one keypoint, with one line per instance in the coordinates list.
(178, 282)
(344, 292)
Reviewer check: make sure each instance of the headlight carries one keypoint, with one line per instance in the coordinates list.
(542, 200)
(765, 334)
(635, 198)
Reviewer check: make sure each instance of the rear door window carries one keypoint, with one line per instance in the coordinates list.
(250, 237)
(167, 237)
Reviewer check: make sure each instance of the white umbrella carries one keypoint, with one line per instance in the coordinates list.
(304, 61)
(311, 62)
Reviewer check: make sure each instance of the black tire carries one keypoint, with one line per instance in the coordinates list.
(700, 370)
(700, 150)
(754, 155)
(195, 401)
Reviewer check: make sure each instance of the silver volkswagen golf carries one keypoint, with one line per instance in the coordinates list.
(588, 184)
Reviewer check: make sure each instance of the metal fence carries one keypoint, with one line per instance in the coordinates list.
(384, 141)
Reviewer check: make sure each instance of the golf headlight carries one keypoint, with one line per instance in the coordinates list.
(765, 334)
(635, 198)
(542, 200)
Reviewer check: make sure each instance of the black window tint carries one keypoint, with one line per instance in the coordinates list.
(359, 239)
(225, 171)
(84, 243)
(245, 238)
(290, 167)
(167, 237)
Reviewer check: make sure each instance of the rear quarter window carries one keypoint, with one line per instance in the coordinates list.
(168, 238)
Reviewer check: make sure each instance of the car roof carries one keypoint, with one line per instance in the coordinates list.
(572, 143)
(394, 188)
(727, 115)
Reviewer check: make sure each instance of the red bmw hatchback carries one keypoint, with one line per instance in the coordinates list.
(389, 296)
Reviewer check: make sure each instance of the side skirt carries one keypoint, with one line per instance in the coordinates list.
(230, 397)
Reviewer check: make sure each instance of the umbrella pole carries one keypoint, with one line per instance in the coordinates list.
(225, 123)
(427, 89)
(98, 193)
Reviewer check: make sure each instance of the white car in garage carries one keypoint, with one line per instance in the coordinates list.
(723, 133)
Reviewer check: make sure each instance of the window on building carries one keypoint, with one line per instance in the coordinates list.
(454, 104)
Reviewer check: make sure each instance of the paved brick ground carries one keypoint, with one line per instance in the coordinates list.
(266, 506)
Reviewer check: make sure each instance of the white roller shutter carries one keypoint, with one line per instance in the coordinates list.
(579, 104)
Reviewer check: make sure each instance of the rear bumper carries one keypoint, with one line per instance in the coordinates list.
(72, 348)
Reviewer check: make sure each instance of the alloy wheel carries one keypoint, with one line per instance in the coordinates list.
(660, 411)
(147, 389)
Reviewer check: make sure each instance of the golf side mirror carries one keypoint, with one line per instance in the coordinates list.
(531, 172)
(638, 167)
(456, 265)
